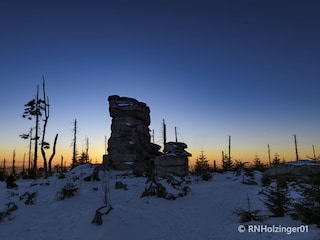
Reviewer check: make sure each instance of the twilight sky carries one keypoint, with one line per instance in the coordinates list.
(248, 69)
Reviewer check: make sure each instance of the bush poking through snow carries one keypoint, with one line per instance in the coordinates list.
(248, 215)
(157, 189)
(265, 180)
(62, 175)
(30, 197)
(154, 187)
(67, 191)
(277, 200)
(308, 208)
(11, 206)
(94, 176)
(120, 185)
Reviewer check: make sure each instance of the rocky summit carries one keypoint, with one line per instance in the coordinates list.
(129, 145)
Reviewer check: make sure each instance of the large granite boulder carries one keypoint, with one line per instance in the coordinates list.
(128, 108)
(129, 145)
(176, 147)
(173, 161)
(302, 168)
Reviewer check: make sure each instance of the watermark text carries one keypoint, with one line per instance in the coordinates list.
(273, 229)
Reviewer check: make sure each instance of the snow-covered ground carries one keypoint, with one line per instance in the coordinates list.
(205, 213)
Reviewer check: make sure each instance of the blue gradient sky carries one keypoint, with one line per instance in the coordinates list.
(248, 69)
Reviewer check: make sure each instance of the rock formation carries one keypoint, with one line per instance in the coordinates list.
(129, 145)
(173, 161)
(302, 168)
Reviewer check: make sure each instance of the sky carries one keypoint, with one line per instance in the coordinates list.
(212, 69)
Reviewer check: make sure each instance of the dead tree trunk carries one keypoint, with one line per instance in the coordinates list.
(97, 219)
(53, 153)
(44, 144)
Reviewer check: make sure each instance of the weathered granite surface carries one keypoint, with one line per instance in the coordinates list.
(173, 161)
(302, 168)
(129, 145)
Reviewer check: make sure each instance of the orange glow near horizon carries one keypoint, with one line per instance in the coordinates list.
(243, 155)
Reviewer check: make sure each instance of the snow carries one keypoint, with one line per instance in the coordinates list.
(205, 213)
(303, 162)
(124, 104)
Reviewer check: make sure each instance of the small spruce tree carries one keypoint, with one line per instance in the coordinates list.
(83, 159)
(226, 164)
(202, 167)
(258, 165)
(308, 208)
(277, 200)
(248, 214)
(276, 160)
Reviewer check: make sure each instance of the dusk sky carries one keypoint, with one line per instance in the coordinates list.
(213, 69)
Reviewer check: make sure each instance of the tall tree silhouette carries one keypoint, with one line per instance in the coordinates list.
(38, 109)
(33, 110)
(44, 144)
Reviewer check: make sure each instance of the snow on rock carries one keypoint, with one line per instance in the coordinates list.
(296, 168)
(124, 104)
(303, 162)
(205, 213)
(130, 137)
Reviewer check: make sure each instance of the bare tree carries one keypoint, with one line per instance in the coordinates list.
(39, 108)
(45, 145)
(74, 143)
(33, 109)
(28, 136)
(106, 187)
(314, 158)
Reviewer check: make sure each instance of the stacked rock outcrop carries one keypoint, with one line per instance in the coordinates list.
(174, 160)
(129, 145)
(300, 169)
